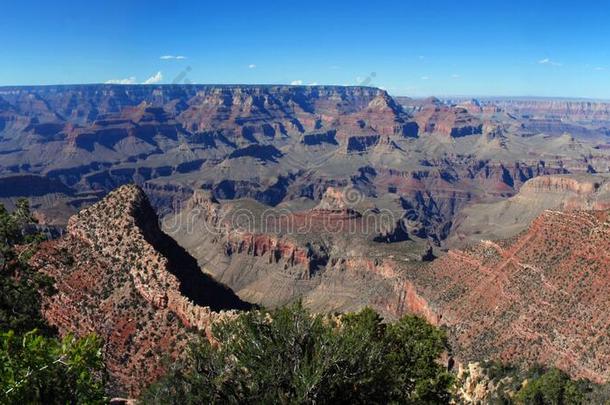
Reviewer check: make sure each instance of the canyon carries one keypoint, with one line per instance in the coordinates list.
(515, 300)
(64, 147)
(488, 217)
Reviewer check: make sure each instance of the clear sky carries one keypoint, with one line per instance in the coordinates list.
(417, 48)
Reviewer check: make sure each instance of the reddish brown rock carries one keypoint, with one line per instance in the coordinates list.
(119, 276)
(435, 117)
(541, 297)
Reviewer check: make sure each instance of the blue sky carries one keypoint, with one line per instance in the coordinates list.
(525, 48)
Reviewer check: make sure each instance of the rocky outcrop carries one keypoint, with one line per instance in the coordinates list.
(320, 138)
(357, 144)
(275, 249)
(335, 205)
(477, 385)
(119, 276)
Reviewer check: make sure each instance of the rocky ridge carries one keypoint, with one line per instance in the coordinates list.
(119, 276)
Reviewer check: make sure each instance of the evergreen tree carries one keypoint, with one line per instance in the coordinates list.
(35, 366)
(291, 356)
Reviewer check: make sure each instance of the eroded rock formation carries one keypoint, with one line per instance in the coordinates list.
(119, 276)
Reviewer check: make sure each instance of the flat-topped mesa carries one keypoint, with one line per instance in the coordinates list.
(433, 116)
(580, 192)
(562, 184)
(565, 110)
(506, 218)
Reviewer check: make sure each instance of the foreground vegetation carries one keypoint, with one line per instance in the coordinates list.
(292, 356)
(36, 367)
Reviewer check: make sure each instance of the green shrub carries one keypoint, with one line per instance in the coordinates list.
(20, 286)
(553, 387)
(292, 356)
(37, 369)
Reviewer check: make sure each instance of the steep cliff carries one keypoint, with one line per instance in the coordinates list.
(434, 117)
(570, 110)
(119, 276)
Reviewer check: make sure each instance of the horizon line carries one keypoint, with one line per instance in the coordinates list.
(439, 96)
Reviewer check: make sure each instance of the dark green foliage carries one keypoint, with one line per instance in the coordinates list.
(20, 300)
(9, 235)
(36, 367)
(540, 386)
(552, 387)
(20, 287)
(41, 370)
(292, 356)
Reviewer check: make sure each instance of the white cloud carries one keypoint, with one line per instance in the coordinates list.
(129, 80)
(455, 76)
(313, 83)
(170, 57)
(425, 78)
(296, 82)
(154, 79)
(251, 66)
(547, 61)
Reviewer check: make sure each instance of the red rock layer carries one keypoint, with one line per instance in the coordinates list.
(447, 120)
